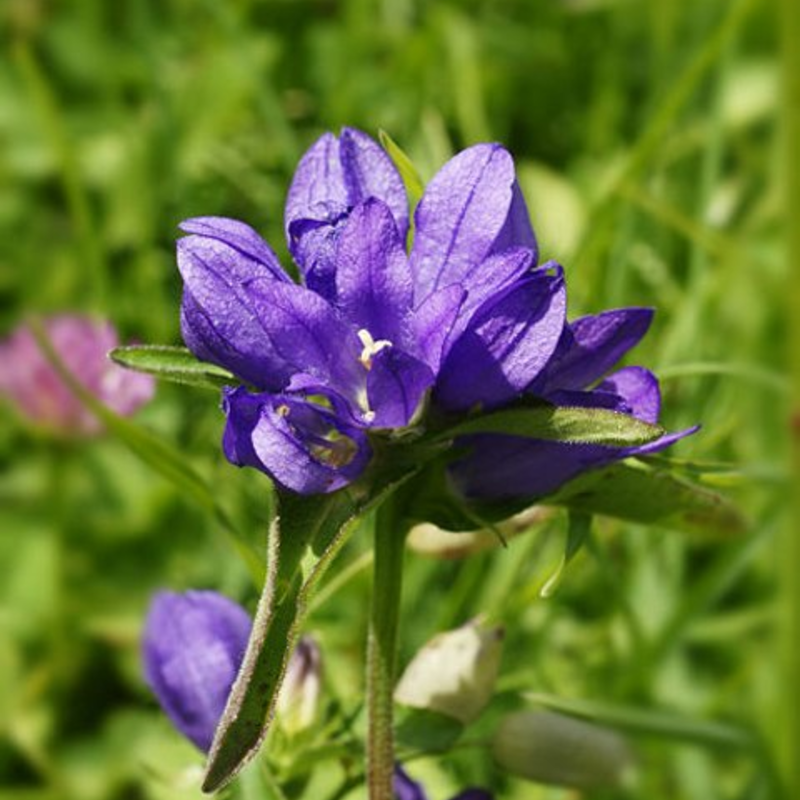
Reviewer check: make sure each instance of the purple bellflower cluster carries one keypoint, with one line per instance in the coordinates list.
(377, 335)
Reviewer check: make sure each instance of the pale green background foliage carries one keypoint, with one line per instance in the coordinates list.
(646, 138)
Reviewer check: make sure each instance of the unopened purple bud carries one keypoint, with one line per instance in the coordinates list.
(39, 394)
(298, 700)
(193, 647)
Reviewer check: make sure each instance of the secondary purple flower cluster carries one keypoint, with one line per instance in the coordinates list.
(465, 319)
(192, 648)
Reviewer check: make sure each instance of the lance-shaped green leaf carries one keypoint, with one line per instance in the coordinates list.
(304, 539)
(650, 721)
(172, 364)
(596, 426)
(644, 494)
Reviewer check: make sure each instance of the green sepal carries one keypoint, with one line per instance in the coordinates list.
(170, 363)
(595, 426)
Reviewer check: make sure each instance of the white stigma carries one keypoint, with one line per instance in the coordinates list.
(371, 347)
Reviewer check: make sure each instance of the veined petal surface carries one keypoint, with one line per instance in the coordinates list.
(373, 280)
(591, 346)
(505, 345)
(460, 216)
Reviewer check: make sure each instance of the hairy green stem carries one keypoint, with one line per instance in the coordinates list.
(382, 647)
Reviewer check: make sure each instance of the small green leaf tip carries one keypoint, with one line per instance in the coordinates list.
(170, 363)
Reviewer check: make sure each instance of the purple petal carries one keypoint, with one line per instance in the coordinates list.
(305, 334)
(595, 398)
(192, 649)
(517, 230)
(218, 321)
(405, 788)
(334, 176)
(396, 385)
(459, 218)
(432, 322)
(507, 342)
(373, 280)
(494, 274)
(302, 446)
(318, 184)
(369, 172)
(241, 237)
(314, 249)
(591, 346)
(664, 442)
(638, 387)
(506, 467)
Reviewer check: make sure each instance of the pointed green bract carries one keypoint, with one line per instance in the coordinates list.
(175, 364)
(408, 172)
(562, 424)
(304, 539)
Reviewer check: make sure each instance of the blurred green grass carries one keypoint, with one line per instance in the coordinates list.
(647, 142)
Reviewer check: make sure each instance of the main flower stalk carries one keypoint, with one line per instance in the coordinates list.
(390, 535)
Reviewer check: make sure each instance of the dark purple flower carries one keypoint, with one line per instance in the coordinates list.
(192, 648)
(465, 318)
(32, 384)
(505, 467)
(407, 789)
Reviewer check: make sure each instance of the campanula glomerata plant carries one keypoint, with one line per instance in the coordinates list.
(420, 368)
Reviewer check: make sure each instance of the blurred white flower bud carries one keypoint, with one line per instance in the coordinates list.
(547, 747)
(454, 673)
(298, 700)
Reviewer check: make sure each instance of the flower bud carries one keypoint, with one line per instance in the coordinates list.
(39, 394)
(454, 673)
(192, 649)
(546, 747)
(298, 700)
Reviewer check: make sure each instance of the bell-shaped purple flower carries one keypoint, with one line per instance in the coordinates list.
(192, 648)
(34, 387)
(405, 788)
(466, 318)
